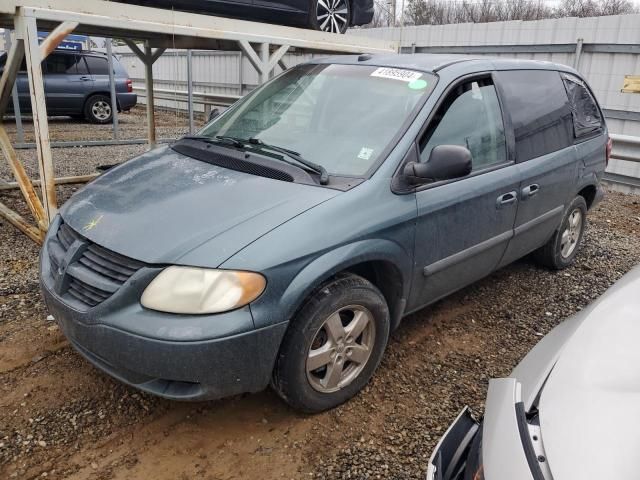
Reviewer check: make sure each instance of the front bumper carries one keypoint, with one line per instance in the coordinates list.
(500, 448)
(181, 357)
(449, 458)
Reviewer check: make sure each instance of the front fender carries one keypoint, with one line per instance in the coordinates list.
(291, 283)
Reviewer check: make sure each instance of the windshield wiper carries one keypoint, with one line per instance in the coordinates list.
(218, 140)
(236, 142)
(319, 169)
(256, 142)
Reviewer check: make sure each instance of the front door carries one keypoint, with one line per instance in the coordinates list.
(464, 226)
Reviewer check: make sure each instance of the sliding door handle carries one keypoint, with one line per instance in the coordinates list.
(530, 191)
(507, 199)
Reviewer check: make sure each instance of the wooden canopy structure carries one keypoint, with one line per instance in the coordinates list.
(263, 44)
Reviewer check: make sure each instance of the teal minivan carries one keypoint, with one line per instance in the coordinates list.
(285, 241)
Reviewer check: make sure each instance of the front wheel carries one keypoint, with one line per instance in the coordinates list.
(333, 345)
(561, 250)
(333, 16)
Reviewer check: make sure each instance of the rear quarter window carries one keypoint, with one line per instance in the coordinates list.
(537, 103)
(584, 109)
(97, 65)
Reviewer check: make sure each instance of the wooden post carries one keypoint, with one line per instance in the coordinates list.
(22, 179)
(264, 60)
(10, 72)
(148, 80)
(27, 28)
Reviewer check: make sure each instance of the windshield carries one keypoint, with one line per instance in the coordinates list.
(340, 117)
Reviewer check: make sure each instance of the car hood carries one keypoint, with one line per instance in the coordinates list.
(588, 408)
(162, 206)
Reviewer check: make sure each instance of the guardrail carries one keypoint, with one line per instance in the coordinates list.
(207, 99)
(626, 148)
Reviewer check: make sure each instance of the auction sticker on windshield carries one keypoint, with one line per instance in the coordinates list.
(396, 74)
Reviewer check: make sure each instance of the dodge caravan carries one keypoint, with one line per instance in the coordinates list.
(284, 241)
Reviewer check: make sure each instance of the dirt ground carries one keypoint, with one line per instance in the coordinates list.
(62, 418)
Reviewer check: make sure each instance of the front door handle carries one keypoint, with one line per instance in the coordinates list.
(530, 190)
(507, 199)
(85, 78)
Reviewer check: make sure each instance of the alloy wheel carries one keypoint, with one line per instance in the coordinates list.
(571, 235)
(101, 110)
(341, 348)
(332, 15)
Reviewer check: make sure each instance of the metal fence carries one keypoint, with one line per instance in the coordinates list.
(213, 73)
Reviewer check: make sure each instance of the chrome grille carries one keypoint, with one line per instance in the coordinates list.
(93, 274)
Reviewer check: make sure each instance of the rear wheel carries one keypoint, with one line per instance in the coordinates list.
(332, 16)
(333, 345)
(561, 250)
(98, 109)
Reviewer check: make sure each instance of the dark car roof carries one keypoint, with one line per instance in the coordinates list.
(433, 62)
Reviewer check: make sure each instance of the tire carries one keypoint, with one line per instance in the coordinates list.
(322, 325)
(333, 16)
(561, 249)
(98, 109)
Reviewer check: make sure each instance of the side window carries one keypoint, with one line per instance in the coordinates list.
(470, 117)
(97, 65)
(540, 111)
(584, 109)
(82, 66)
(57, 63)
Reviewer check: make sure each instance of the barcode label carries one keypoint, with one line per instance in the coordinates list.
(396, 74)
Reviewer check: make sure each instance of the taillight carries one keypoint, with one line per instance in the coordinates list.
(609, 148)
(129, 85)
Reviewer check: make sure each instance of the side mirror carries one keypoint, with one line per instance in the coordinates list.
(445, 162)
(213, 113)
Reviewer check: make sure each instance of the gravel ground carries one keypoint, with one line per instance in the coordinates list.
(82, 161)
(61, 418)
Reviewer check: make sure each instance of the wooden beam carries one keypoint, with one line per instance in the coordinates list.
(21, 224)
(23, 182)
(135, 49)
(251, 54)
(156, 55)
(10, 72)
(56, 36)
(58, 181)
(28, 30)
(276, 57)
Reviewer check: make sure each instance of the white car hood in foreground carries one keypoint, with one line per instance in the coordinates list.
(590, 405)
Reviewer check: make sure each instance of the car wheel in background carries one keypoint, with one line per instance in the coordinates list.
(561, 250)
(332, 16)
(333, 345)
(98, 109)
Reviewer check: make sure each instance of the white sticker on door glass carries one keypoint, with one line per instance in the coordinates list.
(396, 74)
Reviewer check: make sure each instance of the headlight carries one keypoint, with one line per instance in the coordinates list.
(201, 290)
